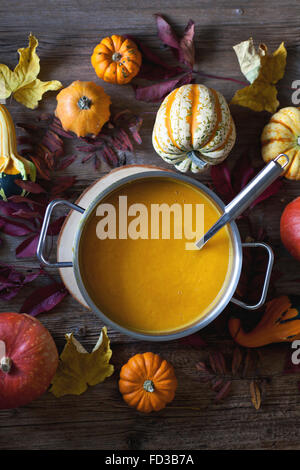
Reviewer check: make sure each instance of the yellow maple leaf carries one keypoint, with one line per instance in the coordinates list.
(77, 368)
(22, 82)
(261, 95)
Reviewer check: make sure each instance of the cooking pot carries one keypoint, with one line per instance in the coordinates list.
(231, 211)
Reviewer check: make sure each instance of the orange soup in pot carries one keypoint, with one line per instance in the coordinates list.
(143, 277)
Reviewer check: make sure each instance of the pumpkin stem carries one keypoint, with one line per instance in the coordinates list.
(149, 386)
(194, 155)
(116, 56)
(5, 364)
(84, 102)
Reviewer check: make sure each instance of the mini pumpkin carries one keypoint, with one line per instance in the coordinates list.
(193, 128)
(83, 108)
(12, 166)
(280, 323)
(116, 59)
(282, 135)
(147, 382)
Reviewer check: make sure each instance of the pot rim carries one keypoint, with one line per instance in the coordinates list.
(237, 257)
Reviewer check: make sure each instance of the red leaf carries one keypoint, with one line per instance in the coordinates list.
(14, 228)
(56, 225)
(30, 186)
(165, 32)
(194, 340)
(186, 46)
(11, 281)
(224, 391)
(270, 191)
(222, 181)
(63, 164)
(62, 184)
(44, 299)
(28, 247)
(158, 91)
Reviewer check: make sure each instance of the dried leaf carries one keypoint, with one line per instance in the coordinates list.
(236, 360)
(186, 45)
(261, 95)
(30, 186)
(224, 392)
(22, 82)
(217, 362)
(255, 394)
(77, 368)
(44, 299)
(249, 58)
(12, 281)
(216, 384)
(166, 33)
(194, 340)
(201, 366)
(28, 247)
(158, 91)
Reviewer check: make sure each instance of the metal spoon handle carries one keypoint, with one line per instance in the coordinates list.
(244, 199)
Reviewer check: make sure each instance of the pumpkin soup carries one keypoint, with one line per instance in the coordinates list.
(149, 284)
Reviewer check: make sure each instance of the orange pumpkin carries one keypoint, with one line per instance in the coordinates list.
(83, 108)
(116, 59)
(147, 382)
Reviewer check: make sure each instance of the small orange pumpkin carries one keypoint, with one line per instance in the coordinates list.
(83, 108)
(147, 382)
(116, 59)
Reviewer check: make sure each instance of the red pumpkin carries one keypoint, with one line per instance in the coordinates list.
(290, 228)
(28, 359)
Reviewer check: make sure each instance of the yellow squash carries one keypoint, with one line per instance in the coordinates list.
(282, 135)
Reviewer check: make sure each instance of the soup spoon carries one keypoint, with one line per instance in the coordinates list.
(243, 200)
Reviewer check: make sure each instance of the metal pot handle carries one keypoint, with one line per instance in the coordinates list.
(43, 234)
(267, 276)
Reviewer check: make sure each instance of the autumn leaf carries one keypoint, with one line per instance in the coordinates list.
(77, 368)
(263, 70)
(255, 394)
(23, 83)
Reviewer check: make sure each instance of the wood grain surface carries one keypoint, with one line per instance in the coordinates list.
(67, 31)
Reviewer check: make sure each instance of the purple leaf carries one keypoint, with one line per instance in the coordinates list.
(28, 247)
(186, 46)
(13, 228)
(224, 391)
(56, 225)
(270, 191)
(62, 184)
(158, 91)
(44, 299)
(166, 33)
(11, 281)
(63, 164)
(221, 179)
(194, 340)
(30, 186)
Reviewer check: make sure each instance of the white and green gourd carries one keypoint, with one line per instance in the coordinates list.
(193, 128)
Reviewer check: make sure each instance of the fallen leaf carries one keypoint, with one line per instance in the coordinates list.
(186, 45)
(236, 360)
(194, 340)
(158, 91)
(223, 393)
(249, 58)
(77, 368)
(255, 394)
(22, 82)
(12, 281)
(44, 299)
(261, 95)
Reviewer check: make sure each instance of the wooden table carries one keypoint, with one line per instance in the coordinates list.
(99, 419)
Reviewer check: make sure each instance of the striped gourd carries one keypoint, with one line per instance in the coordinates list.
(282, 135)
(193, 128)
(12, 165)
